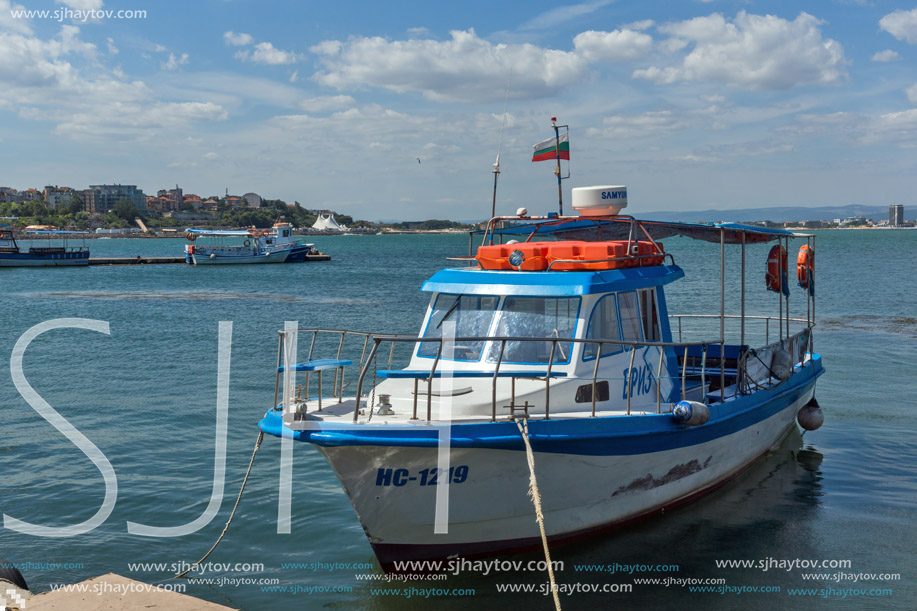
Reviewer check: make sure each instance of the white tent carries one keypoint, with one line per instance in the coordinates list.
(326, 222)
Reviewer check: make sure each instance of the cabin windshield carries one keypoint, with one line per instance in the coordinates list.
(472, 315)
(535, 317)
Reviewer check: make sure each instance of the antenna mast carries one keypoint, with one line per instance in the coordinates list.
(493, 207)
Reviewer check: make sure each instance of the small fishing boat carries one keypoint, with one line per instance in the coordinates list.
(274, 245)
(552, 361)
(625, 415)
(47, 248)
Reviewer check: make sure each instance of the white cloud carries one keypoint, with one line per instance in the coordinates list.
(901, 24)
(628, 126)
(886, 56)
(552, 18)
(81, 5)
(111, 46)
(174, 62)
(326, 103)
(14, 24)
(237, 40)
(30, 62)
(753, 52)
(210, 155)
(44, 80)
(912, 93)
(418, 32)
(645, 24)
(864, 130)
(138, 120)
(465, 68)
(894, 127)
(265, 53)
(617, 45)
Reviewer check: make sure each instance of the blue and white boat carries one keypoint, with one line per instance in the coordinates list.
(626, 415)
(274, 245)
(42, 253)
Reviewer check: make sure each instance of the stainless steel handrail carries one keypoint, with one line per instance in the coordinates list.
(379, 339)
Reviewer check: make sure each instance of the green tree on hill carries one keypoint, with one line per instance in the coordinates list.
(125, 209)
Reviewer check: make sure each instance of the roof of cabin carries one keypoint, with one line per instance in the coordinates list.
(557, 284)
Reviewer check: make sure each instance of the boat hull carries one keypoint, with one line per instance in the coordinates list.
(593, 473)
(26, 259)
(246, 256)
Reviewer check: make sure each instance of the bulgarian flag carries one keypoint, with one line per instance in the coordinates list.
(547, 150)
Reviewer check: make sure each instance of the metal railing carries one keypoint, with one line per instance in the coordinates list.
(680, 349)
(515, 374)
(338, 382)
(765, 320)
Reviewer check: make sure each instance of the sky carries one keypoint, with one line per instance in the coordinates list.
(397, 110)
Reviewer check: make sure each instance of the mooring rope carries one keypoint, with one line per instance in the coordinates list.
(231, 515)
(536, 500)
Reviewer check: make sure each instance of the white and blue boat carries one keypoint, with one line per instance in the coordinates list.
(274, 245)
(51, 249)
(627, 415)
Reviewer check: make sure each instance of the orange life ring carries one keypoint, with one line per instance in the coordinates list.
(265, 233)
(805, 265)
(776, 270)
(191, 236)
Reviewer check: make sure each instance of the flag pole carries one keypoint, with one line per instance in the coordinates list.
(560, 192)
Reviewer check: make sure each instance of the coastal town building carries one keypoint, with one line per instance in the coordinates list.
(252, 200)
(896, 215)
(102, 198)
(8, 195)
(192, 200)
(58, 196)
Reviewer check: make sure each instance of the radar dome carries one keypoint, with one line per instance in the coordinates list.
(599, 201)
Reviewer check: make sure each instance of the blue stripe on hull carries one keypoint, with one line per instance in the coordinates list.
(600, 436)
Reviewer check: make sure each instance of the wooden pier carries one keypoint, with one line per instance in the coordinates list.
(135, 260)
(170, 260)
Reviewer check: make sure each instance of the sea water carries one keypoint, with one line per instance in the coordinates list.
(145, 395)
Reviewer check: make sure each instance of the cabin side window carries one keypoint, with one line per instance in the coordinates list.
(631, 324)
(536, 317)
(650, 315)
(603, 324)
(472, 315)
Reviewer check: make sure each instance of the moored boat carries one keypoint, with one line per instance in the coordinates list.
(625, 415)
(274, 245)
(43, 250)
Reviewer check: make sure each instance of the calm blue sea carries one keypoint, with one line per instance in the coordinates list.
(145, 395)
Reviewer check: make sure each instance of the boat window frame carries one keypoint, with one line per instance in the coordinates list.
(651, 293)
(620, 347)
(494, 345)
(639, 316)
(429, 319)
